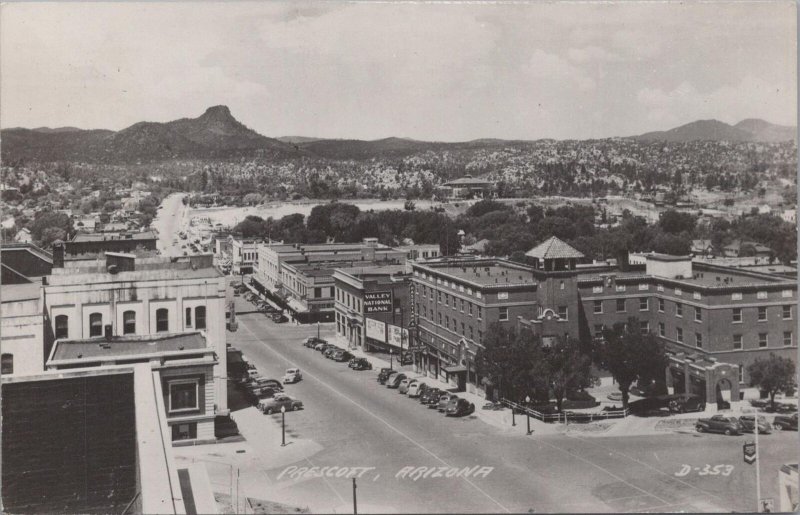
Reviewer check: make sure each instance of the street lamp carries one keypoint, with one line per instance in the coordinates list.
(283, 426)
(390, 359)
(528, 413)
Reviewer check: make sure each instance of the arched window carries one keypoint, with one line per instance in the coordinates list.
(200, 317)
(62, 326)
(162, 320)
(129, 322)
(95, 324)
(7, 364)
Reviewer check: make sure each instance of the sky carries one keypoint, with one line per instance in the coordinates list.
(443, 72)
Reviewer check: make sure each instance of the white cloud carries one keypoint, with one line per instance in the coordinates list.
(550, 67)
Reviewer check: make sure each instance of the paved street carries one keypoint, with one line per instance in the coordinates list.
(350, 420)
(169, 222)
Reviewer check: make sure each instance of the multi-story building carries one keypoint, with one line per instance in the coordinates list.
(22, 330)
(300, 277)
(244, 255)
(96, 243)
(711, 314)
(455, 302)
(372, 308)
(124, 297)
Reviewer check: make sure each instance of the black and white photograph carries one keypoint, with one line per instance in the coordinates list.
(395, 257)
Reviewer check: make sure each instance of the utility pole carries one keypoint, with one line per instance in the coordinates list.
(355, 504)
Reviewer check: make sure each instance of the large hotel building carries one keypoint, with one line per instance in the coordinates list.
(714, 320)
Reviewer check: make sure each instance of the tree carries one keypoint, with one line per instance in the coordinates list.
(51, 234)
(772, 375)
(675, 222)
(507, 358)
(630, 356)
(48, 219)
(566, 368)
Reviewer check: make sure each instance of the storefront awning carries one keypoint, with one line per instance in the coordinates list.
(455, 369)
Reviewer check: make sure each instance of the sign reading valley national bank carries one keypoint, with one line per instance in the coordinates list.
(377, 302)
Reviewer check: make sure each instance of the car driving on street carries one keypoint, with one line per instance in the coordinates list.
(747, 422)
(274, 404)
(292, 375)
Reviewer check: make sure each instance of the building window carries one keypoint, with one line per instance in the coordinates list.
(761, 295)
(446, 299)
(620, 287)
(787, 338)
(162, 320)
(762, 339)
(644, 305)
(6, 364)
(698, 339)
(737, 341)
(736, 296)
(129, 322)
(598, 307)
(644, 327)
(62, 326)
(598, 331)
(188, 317)
(440, 319)
(95, 324)
(503, 314)
(762, 314)
(662, 330)
(480, 312)
(480, 336)
(620, 305)
(661, 305)
(184, 395)
(741, 373)
(471, 333)
(200, 317)
(698, 315)
(439, 297)
(561, 285)
(787, 312)
(562, 313)
(737, 315)
(679, 335)
(463, 330)
(186, 431)
(469, 308)
(678, 309)
(597, 289)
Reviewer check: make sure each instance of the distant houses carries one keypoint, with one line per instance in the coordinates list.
(467, 187)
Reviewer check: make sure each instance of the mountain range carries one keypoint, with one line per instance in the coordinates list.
(751, 129)
(216, 134)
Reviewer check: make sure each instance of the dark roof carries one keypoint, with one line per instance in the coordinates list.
(127, 346)
(467, 180)
(554, 248)
(667, 257)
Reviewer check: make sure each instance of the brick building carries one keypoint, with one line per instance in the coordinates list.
(455, 301)
(372, 305)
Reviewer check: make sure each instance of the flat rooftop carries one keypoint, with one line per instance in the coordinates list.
(20, 292)
(486, 273)
(113, 236)
(379, 270)
(127, 346)
(703, 276)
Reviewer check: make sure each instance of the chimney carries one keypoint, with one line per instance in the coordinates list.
(58, 254)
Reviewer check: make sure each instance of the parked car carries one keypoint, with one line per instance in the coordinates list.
(431, 397)
(292, 375)
(683, 402)
(257, 393)
(719, 424)
(279, 318)
(328, 353)
(404, 384)
(341, 356)
(263, 381)
(394, 381)
(274, 404)
(459, 408)
(313, 341)
(784, 422)
(748, 424)
(320, 346)
(444, 400)
(384, 375)
(416, 389)
(361, 364)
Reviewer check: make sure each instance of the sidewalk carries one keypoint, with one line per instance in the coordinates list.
(501, 420)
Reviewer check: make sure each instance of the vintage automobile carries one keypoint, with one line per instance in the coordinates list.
(274, 404)
(292, 375)
(783, 423)
(748, 424)
(416, 389)
(719, 424)
(459, 408)
(395, 380)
